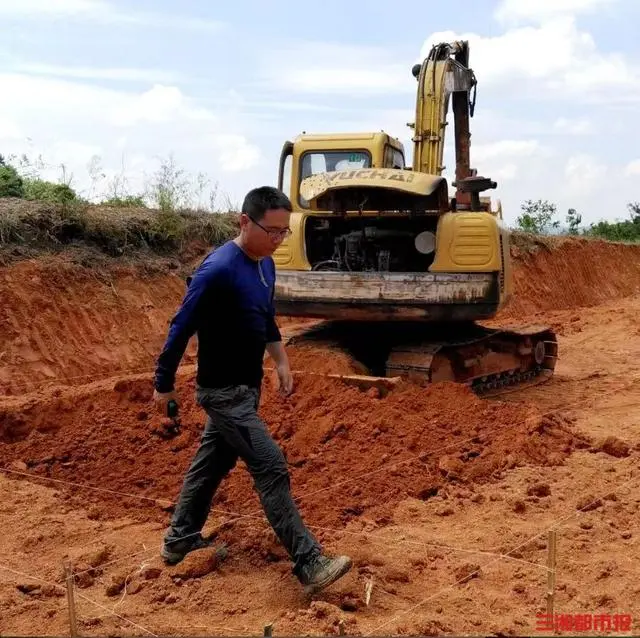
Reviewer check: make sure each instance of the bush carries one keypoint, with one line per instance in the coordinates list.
(11, 184)
(538, 218)
(41, 190)
(127, 201)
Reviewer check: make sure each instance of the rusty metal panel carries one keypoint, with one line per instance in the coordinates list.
(403, 288)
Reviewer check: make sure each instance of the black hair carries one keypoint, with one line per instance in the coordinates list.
(259, 200)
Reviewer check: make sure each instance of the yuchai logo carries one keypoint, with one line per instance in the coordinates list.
(371, 173)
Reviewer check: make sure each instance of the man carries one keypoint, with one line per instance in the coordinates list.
(229, 304)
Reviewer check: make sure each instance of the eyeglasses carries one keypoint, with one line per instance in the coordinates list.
(273, 234)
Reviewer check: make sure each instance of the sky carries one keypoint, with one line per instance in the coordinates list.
(111, 88)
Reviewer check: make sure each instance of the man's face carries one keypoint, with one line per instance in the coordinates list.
(264, 236)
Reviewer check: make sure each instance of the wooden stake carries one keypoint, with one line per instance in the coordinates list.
(268, 630)
(551, 574)
(73, 624)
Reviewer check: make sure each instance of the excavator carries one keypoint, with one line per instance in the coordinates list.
(398, 272)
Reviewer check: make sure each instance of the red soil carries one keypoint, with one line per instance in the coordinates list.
(359, 461)
(346, 447)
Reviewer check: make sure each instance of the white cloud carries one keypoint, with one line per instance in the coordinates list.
(632, 168)
(45, 8)
(95, 73)
(578, 126)
(505, 172)
(236, 153)
(325, 68)
(157, 105)
(585, 174)
(514, 11)
(9, 130)
(99, 11)
(502, 160)
(130, 131)
(342, 80)
(504, 149)
(554, 56)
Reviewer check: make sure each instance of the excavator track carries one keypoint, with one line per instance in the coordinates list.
(491, 361)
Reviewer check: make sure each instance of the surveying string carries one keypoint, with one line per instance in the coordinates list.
(524, 544)
(305, 495)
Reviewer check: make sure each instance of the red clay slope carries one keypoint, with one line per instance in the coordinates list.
(64, 322)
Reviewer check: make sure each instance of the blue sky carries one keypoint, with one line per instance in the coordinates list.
(222, 88)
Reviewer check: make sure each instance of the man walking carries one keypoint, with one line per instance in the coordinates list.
(229, 304)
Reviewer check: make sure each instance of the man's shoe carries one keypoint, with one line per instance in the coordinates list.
(322, 571)
(173, 553)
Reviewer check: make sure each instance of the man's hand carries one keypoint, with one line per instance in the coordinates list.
(285, 378)
(161, 399)
(278, 354)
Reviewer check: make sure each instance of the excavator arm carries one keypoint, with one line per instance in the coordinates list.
(445, 76)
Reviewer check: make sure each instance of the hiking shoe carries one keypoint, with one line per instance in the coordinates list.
(321, 571)
(173, 553)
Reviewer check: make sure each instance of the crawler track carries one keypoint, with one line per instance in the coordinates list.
(490, 361)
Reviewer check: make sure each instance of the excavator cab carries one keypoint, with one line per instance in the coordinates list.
(311, 154)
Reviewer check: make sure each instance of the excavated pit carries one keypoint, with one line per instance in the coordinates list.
(345, 446)
(77, 351)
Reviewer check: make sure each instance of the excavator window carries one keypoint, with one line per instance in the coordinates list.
(326, 161)
(393, 158)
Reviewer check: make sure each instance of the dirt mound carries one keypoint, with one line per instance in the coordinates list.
(563, 273)
(318, 360)
(351, 453)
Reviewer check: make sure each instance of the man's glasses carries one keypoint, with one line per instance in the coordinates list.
(273, 234)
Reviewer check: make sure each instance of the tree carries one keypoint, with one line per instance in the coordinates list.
(574, 219)
(626, 230)
(537, 217)
(11, 184)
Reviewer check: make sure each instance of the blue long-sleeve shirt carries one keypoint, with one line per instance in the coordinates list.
(229, 304)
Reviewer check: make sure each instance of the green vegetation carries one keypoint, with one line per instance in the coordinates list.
(540, 217)
(174, 209)
(164, 218)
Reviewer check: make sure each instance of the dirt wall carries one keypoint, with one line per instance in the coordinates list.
(563, 273)
(62, 321)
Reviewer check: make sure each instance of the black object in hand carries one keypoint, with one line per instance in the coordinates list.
(171, 429)
(172, 409)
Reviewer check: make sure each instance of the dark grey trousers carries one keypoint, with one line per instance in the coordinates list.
(234, 430)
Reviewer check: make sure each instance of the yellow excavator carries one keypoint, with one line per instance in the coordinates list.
(399, 271)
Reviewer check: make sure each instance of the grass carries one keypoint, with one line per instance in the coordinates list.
(530, 243)
(29, 228)
(114, 231)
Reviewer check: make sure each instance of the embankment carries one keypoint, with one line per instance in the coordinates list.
(64, 321)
